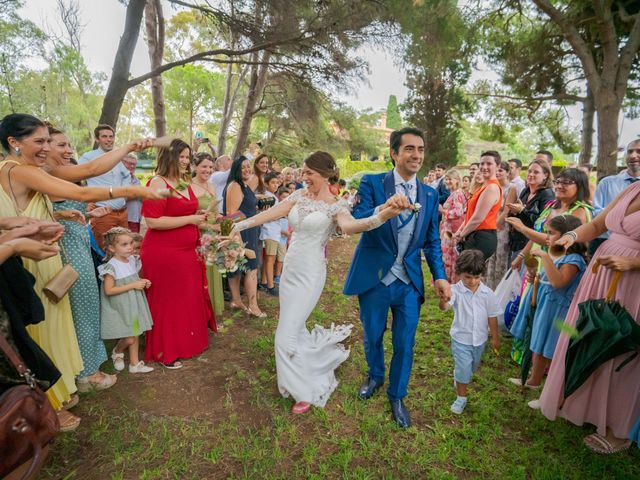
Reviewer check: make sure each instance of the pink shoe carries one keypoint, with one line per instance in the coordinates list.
(301, 407)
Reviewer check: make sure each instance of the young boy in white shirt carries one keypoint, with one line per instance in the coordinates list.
(475, 313)
(270, 234)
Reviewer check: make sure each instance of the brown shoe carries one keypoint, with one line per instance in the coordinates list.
(68, 421)
(72, 402)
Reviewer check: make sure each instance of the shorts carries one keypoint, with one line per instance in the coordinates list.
(466, 360)
(271, 247)
(282, 251)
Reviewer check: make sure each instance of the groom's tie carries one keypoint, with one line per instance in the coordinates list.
(405, 217)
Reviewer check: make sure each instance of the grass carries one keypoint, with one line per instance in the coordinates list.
(253, 435)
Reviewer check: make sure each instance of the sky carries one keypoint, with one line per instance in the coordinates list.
(104, 21)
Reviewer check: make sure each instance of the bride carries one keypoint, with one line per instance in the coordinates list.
(305, 361)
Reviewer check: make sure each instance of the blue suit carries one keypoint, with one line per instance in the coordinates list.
(373, 258)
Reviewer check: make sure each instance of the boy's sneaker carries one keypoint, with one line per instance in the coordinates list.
(118, 360)
(140, 367)
(458, 406)
(274, 292)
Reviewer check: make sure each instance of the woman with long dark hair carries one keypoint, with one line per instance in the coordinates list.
(239, 196)
(178, 299)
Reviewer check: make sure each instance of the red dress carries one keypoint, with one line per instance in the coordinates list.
(178, 296)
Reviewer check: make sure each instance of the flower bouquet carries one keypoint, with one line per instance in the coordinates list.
(224, 252)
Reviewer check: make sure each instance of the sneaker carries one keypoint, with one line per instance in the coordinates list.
(262, 287)
(458, 406)
(140, 367)
(276, 279)
(118, 360)
(274, 292)
(534, 404)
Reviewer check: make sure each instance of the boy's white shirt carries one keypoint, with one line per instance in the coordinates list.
(471, 312)
(271, 230)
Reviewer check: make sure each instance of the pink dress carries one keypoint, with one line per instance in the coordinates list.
(453, 217)
(608, 398)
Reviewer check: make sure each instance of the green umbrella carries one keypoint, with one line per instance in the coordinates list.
(527, 354)
(605, 330)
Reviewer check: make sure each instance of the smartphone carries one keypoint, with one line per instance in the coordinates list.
(204, 140)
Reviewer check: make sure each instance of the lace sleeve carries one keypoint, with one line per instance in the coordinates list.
(295, 196)
(244, 225)
(350, 225)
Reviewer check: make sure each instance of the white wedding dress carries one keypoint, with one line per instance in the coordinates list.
(306, 361)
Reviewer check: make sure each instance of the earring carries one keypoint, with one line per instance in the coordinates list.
(18, 151)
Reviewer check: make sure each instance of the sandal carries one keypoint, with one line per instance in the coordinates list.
(86, 384)
(68, 421)
(175, 365)
(599, 444)
(257, 315)
(235, 306)
(518, 382)
(72, 402)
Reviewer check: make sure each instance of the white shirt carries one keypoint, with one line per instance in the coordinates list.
(519, 184)
(471, 312)
(271, 230)
(219, 181)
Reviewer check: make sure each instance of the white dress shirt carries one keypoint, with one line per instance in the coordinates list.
(471, 313)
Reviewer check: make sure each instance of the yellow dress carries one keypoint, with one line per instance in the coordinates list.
(56, 335)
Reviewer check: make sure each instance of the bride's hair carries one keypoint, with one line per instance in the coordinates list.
(324, 164)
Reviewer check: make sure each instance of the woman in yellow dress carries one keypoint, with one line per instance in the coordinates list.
(206, 197)
(26, 183)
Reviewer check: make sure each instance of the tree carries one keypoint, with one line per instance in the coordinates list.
(604, 37)
(393, 114)
(154, 25)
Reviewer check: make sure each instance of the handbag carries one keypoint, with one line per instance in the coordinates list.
(508, 291)
(28, 423)
(57, 287)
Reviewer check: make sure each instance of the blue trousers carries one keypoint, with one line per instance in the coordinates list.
(404, 301)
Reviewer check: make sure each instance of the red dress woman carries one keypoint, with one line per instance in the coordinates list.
(178, 296)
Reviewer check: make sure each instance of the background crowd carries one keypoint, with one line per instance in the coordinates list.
(134, 250)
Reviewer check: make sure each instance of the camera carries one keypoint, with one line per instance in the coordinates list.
(266, 202)
(204, 140)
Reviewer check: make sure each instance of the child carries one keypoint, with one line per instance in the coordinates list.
(558, 281)
(283, 193)
(124, 309)
(475, 312)
(137, 243)
(270, 235)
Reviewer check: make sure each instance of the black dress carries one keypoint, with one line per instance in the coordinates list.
(249, 207)
(22, 307)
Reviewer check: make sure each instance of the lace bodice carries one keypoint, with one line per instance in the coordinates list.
(304, 222)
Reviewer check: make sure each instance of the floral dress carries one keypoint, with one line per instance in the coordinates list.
(452, 218)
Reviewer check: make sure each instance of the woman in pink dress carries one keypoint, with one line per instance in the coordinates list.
(452, 216)
(609, 400)
(178, 296)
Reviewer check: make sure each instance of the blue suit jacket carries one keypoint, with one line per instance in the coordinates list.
(377, 249)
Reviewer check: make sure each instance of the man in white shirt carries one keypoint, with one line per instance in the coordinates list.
(219, 177)
(515, 165)
(134, 206)
(118, 176)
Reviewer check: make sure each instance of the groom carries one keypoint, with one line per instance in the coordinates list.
(386, 269)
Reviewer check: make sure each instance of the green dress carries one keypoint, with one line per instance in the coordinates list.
(214, 277)
(84, 294)
(126, 314)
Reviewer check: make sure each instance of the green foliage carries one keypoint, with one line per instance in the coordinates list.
(393, 113)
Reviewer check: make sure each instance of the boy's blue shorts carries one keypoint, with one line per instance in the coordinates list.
(466, 359)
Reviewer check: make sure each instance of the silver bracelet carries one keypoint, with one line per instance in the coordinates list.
(572, 234)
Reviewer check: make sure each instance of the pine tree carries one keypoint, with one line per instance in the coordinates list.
(393, 114)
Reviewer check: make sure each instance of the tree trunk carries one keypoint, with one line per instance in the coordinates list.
(256, 88)
(608, 107)
(586, 135)
(230, 98)
(154, 24)
(119, 84)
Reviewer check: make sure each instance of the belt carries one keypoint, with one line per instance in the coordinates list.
(119, 210)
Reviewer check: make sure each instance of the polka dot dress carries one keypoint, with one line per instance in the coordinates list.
(84, 294)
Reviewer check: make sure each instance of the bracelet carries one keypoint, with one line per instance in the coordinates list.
(572, 234)
(110, 192)
(520, 255)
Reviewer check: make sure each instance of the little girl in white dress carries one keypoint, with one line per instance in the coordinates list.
(124, 309)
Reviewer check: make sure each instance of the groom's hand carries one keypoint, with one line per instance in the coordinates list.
(443, 290)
